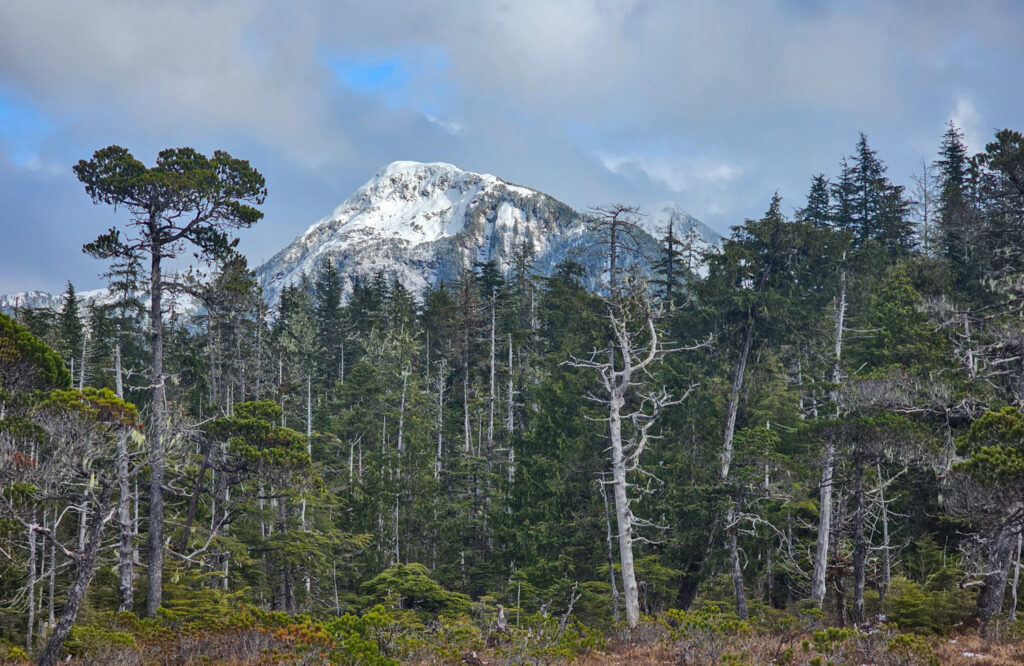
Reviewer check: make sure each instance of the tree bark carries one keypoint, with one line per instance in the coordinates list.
(623, 515)
(31, 587)
(493, 389)
(828, 463)
(125, 556)
(155, 536)
(993, 589)
(440, 419)
(611, 551)
(860, 544)
(86, 567)
(824, 525)
(1016, 579)
(734, 398)
(734, 565)
(118, 372)
(886, 560)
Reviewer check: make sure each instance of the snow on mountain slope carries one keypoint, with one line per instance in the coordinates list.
(44, 299)
(423, 223)
(655, 221)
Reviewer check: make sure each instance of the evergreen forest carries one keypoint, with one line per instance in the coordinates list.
(805, 446)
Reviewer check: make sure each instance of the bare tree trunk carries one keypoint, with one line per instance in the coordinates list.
(86, 566)
(306, 577)
(623, 515)
(125, 555)
(81, 366)
(287, 591)
(734, 398)
(1016, 580)
(510, 419)
(309, 436)
(493, 388)
(886, 559)
(837, 350)
(735, 570)
(731, 517)
(440, 419)
(83, 523)
(824, 524)
(510, 423)
(860, 544)
(467, 432)
(401, 412)
(52, 582)
(990, 599)
(155, 536)
(31, 587)
(118, 372)
(611, 552)
(828, 463)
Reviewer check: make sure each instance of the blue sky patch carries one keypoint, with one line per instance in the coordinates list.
(23, 128)
(416, 79)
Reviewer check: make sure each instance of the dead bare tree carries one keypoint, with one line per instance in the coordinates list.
(70, 458)
(624, 371)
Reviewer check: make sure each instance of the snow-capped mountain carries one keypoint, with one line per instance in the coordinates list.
(46, 300)
(425, 222)
(695, 238)
(655, 220)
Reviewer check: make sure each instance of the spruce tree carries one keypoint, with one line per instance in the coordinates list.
(71, 331)
(330, 325)
(818, 210)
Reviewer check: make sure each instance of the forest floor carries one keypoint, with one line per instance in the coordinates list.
(957, 651)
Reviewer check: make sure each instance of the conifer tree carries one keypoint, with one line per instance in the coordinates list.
(72, 333)
(185, 199)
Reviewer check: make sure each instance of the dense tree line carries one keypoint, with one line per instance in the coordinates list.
(823, 414)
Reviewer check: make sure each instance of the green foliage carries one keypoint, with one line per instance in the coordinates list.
(11, 654)
(26, 362)
(363, 639)
(994, 447)
(904, 338)
(409, 587)
(708, 619)
(933, 608)
(98, 643)
(914, 649)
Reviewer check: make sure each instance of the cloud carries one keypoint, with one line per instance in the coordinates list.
(677, 174)
(715, 104)
(173, 63)
(966, 117)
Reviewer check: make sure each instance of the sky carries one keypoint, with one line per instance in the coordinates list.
(713, 105)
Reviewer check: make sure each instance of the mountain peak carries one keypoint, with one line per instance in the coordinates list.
(657, 217)
(411, 168)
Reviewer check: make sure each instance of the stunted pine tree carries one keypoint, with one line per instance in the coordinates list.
(186, 200)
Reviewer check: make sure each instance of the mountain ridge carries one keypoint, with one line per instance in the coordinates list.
(423, 223)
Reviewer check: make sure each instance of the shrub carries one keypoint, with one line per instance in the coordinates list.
(98, 643)
(10, 653)
(408, 587)
(364, 639)
(914, 649)
(930, 609)
(709, 634)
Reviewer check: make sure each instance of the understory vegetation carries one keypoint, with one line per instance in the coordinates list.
(803, 447)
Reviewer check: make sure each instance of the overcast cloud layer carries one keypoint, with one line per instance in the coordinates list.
(713, 105)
